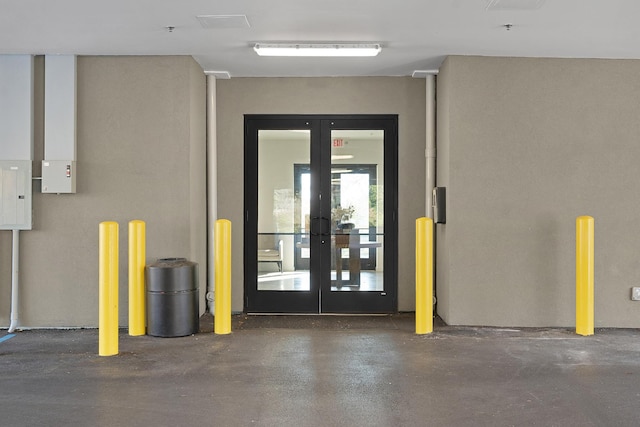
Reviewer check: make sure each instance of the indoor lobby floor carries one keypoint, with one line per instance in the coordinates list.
(323, 371)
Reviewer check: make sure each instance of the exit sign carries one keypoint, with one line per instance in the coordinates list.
(338, 142)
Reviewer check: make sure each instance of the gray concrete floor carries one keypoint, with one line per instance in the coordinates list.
(323, 371)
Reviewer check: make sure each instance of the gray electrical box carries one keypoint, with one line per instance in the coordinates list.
(440, 205)
(58, 176)
(15, 195)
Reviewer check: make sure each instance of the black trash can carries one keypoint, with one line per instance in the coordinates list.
(172, 297)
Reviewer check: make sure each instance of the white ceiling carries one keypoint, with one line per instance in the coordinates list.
(415, 34)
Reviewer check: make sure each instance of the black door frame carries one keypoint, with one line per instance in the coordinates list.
(316, 300)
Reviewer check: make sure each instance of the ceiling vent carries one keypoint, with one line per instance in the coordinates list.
(514, 4)
(217, 22)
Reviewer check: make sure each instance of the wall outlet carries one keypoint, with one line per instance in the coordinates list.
(635, 293)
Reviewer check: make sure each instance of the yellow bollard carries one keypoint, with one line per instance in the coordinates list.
(584, 275)
(137, 261)
(424, 275)
(108, 289)
(222, 264)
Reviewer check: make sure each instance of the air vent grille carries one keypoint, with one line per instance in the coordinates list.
(514, 4)
(223, 21)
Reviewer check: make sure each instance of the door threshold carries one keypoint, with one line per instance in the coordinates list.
(329, 322)
(320, 314)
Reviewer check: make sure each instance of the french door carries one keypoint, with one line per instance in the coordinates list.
(320, 232)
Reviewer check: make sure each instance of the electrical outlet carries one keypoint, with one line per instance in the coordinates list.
(635, 293)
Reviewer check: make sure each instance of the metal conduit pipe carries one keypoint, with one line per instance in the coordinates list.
(15, 270)
(430, 154)
(430, 151)
(212, 186)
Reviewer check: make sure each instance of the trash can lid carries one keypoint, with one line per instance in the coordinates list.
(171, 263)
(171, 275)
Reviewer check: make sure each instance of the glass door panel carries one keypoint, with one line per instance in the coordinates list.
(274, 228)
(357, 210)
(362, 180)
(283, 210)
(302, 188)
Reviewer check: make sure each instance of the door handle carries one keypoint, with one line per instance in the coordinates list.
(318, 222)
(314, 224)
(327, 230)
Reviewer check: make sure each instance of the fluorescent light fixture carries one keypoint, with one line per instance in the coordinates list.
(316, 49)
(341, 156)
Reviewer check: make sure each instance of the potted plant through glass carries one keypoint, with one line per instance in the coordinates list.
(340, 218)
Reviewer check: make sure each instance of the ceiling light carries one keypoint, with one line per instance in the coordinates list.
(312, 49)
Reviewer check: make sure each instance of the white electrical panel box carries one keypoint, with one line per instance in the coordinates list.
(15, 195)
(58, 176)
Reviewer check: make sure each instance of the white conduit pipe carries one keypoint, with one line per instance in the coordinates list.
(15, 270)
(212, 185)
(430, 151)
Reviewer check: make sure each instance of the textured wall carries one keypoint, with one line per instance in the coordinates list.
(140, 141)
(369, 95)
(531, 144)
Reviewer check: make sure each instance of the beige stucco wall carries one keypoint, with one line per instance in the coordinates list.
(525, 146)
(141, 155)
(366, 95)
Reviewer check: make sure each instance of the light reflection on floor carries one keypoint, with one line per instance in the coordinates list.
(299, 281)
(285, 281)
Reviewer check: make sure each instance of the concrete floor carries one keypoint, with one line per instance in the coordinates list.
(323, 371)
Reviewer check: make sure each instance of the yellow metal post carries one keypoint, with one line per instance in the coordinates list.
(108, 289)
(424, 275)
(222, 264)
(584, 275)
(137, 261)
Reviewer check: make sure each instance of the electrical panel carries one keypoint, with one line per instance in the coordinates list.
(15, 195)
(58, 176)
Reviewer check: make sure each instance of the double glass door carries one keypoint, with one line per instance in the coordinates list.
(320, 221)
